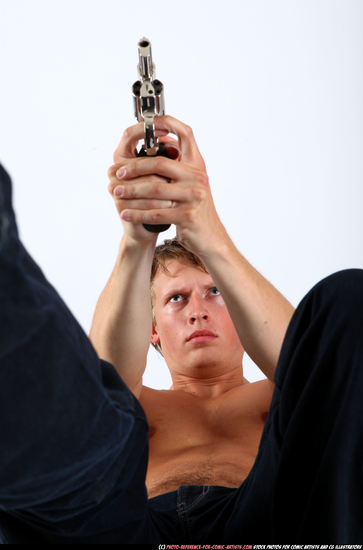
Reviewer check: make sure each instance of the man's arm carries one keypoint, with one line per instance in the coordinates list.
(121, 327)
(122, 323)
(260, 313)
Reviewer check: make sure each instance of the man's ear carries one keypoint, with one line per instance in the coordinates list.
(155, 336)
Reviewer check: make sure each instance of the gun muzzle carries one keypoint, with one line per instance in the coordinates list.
(146, 65)
(148, 96)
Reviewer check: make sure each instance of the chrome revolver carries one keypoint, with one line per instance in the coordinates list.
(148, 95)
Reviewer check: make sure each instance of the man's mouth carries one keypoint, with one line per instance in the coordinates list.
(200, 336)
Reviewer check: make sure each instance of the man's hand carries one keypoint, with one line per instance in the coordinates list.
(145, 194)
(122, 156)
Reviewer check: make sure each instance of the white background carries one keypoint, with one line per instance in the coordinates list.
(272, 89)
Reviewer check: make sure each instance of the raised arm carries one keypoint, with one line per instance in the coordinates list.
(260, 313)
(121, 327)
(122, 323)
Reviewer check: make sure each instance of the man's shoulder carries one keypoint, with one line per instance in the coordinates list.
(263, 388)
(146, 390)
(150, 393)
(262, 385)
(152, 399)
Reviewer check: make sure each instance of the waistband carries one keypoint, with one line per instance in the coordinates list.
(187, 496)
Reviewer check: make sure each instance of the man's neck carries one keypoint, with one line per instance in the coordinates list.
(208, 387)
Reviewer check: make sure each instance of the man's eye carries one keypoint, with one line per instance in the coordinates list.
(175, 298)
(215, 291)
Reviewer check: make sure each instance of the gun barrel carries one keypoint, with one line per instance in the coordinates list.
(146, 65)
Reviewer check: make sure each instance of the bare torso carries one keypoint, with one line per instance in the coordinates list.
(197, 441)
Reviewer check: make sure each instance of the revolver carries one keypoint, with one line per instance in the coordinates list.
(148, 95)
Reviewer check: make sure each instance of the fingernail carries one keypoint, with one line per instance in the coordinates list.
(121, 173)
(119, 191)
(126, 216)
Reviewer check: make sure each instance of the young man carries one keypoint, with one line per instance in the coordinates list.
(207, 427)
(209, 304)
(75, 438)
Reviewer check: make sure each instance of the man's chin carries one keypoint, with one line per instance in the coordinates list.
(202, 362)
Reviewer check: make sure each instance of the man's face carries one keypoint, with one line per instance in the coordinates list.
(192, 323)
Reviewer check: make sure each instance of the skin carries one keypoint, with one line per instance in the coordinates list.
(206, 428)
(204, 440)
(186, 300)
(188, 423)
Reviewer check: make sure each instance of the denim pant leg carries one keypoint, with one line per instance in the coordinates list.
(73, 437)
(319, 483)
(307, 482)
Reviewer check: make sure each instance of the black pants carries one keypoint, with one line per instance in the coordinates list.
(74, 443)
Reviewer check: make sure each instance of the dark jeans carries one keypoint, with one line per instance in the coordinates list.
(74, 443)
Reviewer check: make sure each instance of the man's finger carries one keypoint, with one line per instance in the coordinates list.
(144, 204)
(161, 166)
(130, 139)
(158, 191)
(172, 147)
(115, 181)
(188, 145)
(153, 217)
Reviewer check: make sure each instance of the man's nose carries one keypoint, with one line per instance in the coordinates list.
(198, 317)
(198, 311)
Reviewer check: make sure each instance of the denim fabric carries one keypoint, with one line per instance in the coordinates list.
(193, 514)
(74, 443)
(74, 439)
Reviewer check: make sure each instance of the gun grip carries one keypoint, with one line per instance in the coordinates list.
(162, 152)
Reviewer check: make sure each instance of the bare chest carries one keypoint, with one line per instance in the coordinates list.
(177, 424)
(194, 441)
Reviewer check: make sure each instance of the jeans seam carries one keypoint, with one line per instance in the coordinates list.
(183, 513)
(183, 519)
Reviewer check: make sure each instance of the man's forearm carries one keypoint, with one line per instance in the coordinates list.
(122, 323)
(260, 313)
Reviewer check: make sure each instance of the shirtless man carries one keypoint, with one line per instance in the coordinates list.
(211, 477)
(206, 428)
